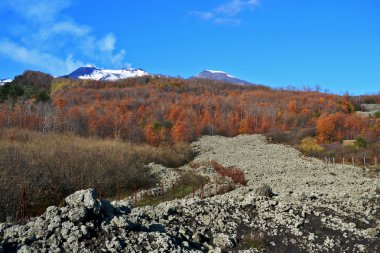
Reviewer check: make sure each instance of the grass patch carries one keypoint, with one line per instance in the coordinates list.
(181, 190)
(255, 240)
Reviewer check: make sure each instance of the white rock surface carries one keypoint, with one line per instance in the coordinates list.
(295, 204)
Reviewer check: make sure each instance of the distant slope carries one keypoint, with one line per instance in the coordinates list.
(93, 73)
(4, 81)
(221, 76)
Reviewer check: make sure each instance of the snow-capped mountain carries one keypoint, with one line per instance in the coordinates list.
(221, 76)
(93, 73)
(4, 81)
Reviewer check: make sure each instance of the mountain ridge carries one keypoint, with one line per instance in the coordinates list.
(221, 76)
(93, 73)
(4, 81)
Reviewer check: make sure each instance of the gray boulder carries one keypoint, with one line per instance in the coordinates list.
(85, 198)
(264, 190)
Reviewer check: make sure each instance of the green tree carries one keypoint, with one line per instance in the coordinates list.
(361, 142)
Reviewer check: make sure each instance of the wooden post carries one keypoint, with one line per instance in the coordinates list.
(202, 191)
(333, 160)
(193, 191)
(343, 161)
(353, 161)
(364, 161)
(216, 186)
(375, 161)
(183, 188)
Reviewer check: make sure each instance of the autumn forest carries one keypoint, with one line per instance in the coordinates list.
(59, 135)
(158, 110)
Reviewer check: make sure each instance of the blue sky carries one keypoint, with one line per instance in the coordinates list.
(333, 44)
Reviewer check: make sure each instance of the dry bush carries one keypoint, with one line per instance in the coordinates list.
(53, 166)
(235, 174)
(310, 146)
(291, 137)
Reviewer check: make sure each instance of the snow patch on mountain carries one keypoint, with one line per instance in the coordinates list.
(220, 72)
(93, 73)
(221, 76)
(4, 81)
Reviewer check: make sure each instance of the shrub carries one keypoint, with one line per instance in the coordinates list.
(377, 114)
(361, 142)
(235, 174)
(291, 137)
(309, 145)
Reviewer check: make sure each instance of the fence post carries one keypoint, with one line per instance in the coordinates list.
(375, 161)
(343, 161)
(353, 161)
(183, 187)
(333, 160)
(202, 191)
(150, 197)
(216, 186)
(193, 191)
(364, 161)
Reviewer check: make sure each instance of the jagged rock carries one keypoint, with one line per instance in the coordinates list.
(85, 198)
(224, 241)
(77, 214)
(264, 190)
(121, 222)
(52, 212)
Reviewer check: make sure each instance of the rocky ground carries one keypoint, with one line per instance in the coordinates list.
(290, 204)
(369, 109)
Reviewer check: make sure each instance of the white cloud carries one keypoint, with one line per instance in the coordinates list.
(117, 59)
(70, 27)
(107, 43)
(205, 15)
(38, 10)
(51, 37)
(228, 12)
(235, 7)
(38, 59)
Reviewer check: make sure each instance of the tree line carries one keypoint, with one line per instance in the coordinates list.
(159, 110)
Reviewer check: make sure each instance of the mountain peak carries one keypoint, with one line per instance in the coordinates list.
(93, 73)
(91, 66)
(4, 81)
(221, 76)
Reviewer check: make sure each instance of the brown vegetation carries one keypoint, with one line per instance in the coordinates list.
(52, 166)
(159, 110)
(237, 175)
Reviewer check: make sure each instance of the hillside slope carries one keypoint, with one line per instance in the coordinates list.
(290, 204)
